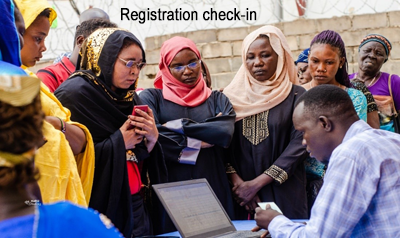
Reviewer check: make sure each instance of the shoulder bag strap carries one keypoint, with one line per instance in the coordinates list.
(391, 95)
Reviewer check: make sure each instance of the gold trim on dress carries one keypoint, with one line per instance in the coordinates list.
(277, 173)
(92, 48)
(255, 127)
(229, 169)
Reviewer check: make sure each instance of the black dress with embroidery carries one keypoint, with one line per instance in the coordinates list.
(200, 123)
(268, 142)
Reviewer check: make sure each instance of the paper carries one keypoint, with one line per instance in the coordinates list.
(272, 204)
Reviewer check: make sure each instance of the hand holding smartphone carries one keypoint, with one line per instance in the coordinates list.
(140, 107)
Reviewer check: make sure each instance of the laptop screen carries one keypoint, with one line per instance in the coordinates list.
(194, 208)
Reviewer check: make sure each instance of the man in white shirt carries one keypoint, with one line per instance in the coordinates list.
(361, 192)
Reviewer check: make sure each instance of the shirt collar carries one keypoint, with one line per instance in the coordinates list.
(68, 64)
(357, 127)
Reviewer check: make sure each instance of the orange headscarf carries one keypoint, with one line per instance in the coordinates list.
(249, 96)
(174, 90)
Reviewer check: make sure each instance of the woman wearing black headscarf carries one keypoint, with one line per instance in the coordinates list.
(100, 95)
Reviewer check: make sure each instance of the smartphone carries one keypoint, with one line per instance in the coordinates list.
(140, 107)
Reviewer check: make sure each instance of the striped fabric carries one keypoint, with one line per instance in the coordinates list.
(361, 192)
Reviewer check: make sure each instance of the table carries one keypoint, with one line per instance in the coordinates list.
(240, 225)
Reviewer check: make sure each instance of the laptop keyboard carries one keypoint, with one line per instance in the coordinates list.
(244, 234)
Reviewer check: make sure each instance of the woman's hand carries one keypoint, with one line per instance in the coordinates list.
(145, 125)
(245, 192)
(131, 138)
(253, 204)
(237, 181)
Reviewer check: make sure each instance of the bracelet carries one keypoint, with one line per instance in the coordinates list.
(63, 126)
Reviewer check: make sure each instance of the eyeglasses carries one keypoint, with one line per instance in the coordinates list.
(181, 68)
(131, 63)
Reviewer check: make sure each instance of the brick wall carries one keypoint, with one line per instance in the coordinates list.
(221, 48)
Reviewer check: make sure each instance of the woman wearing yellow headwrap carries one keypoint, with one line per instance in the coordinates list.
(21, 215)
(66, 162)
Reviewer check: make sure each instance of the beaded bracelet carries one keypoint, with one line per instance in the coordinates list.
(63, 126)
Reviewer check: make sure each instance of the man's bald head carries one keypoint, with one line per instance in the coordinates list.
(93, 13)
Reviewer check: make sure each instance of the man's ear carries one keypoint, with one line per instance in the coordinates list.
(325, 123)
(79, 40)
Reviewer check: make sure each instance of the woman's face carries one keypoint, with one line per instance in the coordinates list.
(324, 62)
(185, 67)
(303, 73)
(124, 77)
(371, 57)
(261, 59)
(34, 41)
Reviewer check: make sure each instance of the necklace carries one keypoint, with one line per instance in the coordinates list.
(373, 81)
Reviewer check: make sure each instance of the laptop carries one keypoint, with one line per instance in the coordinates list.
(196, 211)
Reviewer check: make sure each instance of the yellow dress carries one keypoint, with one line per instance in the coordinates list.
(62, 175)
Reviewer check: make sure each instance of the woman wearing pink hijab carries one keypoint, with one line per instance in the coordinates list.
(195, 125)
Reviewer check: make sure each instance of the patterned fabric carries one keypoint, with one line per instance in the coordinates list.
(358, 198)
(303, 57)
(106, 42)
(314, 168)
(255, 127)
(277, 173)
(378, 38)
(92, 49)
(371, 105)
(381, 88)
(61, 56)
(359, 102)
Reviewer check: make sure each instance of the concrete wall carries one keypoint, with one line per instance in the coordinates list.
(221, 48)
